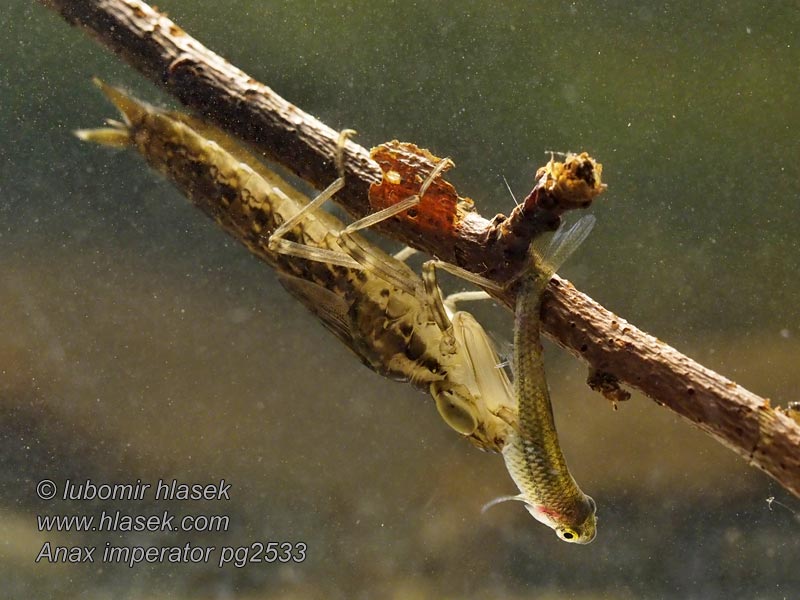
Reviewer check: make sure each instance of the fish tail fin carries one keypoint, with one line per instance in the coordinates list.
(550, 256)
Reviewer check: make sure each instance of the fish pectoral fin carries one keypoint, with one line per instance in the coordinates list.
(563, 243)
(491, 503)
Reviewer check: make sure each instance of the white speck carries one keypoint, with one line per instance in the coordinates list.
(785, 333)
(748, 30)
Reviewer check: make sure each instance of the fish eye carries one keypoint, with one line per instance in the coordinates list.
(567, 534)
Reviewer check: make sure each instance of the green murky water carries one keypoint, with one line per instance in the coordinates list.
(137, 341)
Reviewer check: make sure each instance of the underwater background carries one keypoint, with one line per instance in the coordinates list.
(137, 341)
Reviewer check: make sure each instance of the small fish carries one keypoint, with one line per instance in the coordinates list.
(532, 453)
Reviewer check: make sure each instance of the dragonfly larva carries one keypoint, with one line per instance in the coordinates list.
(394, 320)
(532, 453)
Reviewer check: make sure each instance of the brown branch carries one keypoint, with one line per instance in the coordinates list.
(768, 438)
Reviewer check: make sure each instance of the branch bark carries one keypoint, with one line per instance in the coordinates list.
(766, 437)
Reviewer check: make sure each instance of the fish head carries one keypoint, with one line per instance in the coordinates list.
(577, 526)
